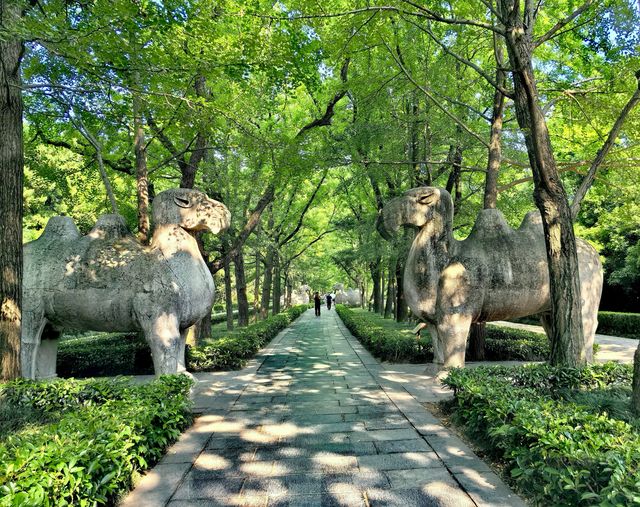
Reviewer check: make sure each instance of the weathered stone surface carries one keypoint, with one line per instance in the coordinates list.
(349, 297)
(109, 281)
(496, 273)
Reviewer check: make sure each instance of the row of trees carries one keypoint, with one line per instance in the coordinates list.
(305, 117)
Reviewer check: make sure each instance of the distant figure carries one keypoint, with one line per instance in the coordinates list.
(333, 298)
(316, 300)
(329, 299)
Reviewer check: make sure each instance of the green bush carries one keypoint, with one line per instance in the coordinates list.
(559, 452)
(509, 344)
(103, 355)
(619, 324)
(386, 344)
(105, 434)
(609, 323)
(232, 352)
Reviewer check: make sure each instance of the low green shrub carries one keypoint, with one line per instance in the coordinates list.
(559, 452)
(619, 324)
(101, 355)
(509, 344)
(232, 352)
(386, 344)
(609, 323)
(100, 441)
(221, 315)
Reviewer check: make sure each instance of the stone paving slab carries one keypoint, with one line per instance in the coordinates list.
(315, 420)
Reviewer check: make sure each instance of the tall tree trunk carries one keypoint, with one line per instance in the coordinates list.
(266, 283)
(383, 288)
(401, 305)
(568, 346)
(477, 342)
(142, 175)
(228, 297)
(374, 267)
(635, 397)
(256, 286)
(241, 289)
(11, 182)
(477, 335)
(277, 285)
(101, 168)
(388, 307)
(495, 138)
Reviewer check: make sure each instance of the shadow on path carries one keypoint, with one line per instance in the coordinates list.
(316, 420)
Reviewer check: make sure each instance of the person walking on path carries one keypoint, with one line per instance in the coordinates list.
(329, 299)
(316, 300)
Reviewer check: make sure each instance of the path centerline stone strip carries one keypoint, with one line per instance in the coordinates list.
(315, 420)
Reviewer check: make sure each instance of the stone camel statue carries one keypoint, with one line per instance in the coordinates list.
(496, 273)
(108, 281)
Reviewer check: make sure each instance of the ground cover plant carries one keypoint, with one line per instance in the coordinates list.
(566, 435)
(394, 341)
(233, 351)
(88, 439)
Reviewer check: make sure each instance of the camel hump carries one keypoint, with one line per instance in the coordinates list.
(489, 223)
(532, 220)
(60, 228)
(110, 227)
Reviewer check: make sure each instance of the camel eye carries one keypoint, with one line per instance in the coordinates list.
(426, 199)
(182, 202)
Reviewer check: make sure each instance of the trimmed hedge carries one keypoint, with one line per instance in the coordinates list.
(559, 452)
(105, 433)
(386, 344)
(619, 324)
(232, 352)
(610, 323)
(112, 354)
(104, 355)
(509, 344)
(217, 318)
(502, 344)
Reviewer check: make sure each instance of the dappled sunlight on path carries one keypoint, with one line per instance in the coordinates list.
(316, 420)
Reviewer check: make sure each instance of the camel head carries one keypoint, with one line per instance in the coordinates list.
(190, 209)
(416, 208)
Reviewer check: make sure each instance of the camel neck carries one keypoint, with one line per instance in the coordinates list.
(428, 255)
(172, 239)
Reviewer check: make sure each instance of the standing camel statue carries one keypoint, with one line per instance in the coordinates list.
(496, 273)
(108, 281)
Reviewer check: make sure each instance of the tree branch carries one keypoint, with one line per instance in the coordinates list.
(304, 212)
(562, 23)
(433, 99)
(252, 222)
(602, 152)
(326, 118)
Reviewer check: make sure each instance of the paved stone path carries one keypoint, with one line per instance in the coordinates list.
(316, 420)
(612, 348)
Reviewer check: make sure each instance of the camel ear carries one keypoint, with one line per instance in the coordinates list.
(427, 198)
(182, 202)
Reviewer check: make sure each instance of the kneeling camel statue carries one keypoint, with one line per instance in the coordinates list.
(108, 281)
(496, 273)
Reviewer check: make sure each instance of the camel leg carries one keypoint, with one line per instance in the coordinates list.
(453, 330)
(47, 353)
(33, 322)
(163, 335)
(438, 352)
(591, 291)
